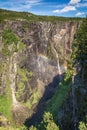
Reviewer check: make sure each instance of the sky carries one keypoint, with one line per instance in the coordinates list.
(66, 8)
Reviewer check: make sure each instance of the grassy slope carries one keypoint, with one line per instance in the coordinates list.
(59, 98)
(12, 15)
(6, 104)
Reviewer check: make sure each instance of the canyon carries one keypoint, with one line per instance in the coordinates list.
(33, 64)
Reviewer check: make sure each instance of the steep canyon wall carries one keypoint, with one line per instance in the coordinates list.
(39, 56)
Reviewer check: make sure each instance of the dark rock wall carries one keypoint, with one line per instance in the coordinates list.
(38, 56)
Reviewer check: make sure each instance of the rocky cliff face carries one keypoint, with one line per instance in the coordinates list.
(31, 70)
(74, 109)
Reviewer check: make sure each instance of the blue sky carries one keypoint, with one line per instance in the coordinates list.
(67, 8)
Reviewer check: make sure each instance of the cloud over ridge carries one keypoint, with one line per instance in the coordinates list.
(65, 9)
(72, 2)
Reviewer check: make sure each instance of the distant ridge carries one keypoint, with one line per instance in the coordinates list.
(14, 15)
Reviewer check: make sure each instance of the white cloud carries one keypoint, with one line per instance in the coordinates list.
(80, 13)
(72, 2)
(32, 1)
(72, 6)
(65, 9)
(19, 5)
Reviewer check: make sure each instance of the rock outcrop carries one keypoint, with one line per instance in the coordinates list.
(32, 70)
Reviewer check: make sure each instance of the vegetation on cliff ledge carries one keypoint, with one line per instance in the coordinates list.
(11, 43)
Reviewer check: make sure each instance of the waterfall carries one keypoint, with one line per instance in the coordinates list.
(58, 64)
(12, 76)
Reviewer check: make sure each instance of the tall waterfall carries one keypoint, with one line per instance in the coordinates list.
(58, 64)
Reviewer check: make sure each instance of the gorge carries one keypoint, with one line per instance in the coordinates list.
(34, 56)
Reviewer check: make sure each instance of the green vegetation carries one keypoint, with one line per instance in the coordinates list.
(11, 43)
(23, 74)
(32, 128)
(80, 48)
(21, 128)
(10, 40)
(82, 126)
(6, 128)
(21, 87)
(48, 123)
(12, 15)
(60, 96)
(6, 102)
(9, 37)
(24, 77)
(80, 43)
(34, 98)
(80, 57)
(20, 46)
(11, 128)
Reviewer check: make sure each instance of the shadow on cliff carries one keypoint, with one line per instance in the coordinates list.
(50, 90)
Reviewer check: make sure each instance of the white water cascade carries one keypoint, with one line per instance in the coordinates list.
(58, 64)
